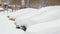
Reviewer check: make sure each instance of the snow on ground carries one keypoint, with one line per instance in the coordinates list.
(52, 27)
(7, 27)
(47, 14)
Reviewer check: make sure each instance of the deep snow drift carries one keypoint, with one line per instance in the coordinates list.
(52, 27)
(7, 27)
(47, 14)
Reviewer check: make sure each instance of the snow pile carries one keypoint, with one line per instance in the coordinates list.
(52, 27)
(47, 14)
(7, 27)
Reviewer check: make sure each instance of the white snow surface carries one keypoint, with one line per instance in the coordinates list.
(47, 14)
(7, 27)
(52, 27)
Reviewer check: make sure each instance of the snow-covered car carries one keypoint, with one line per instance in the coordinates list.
(49, 13)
